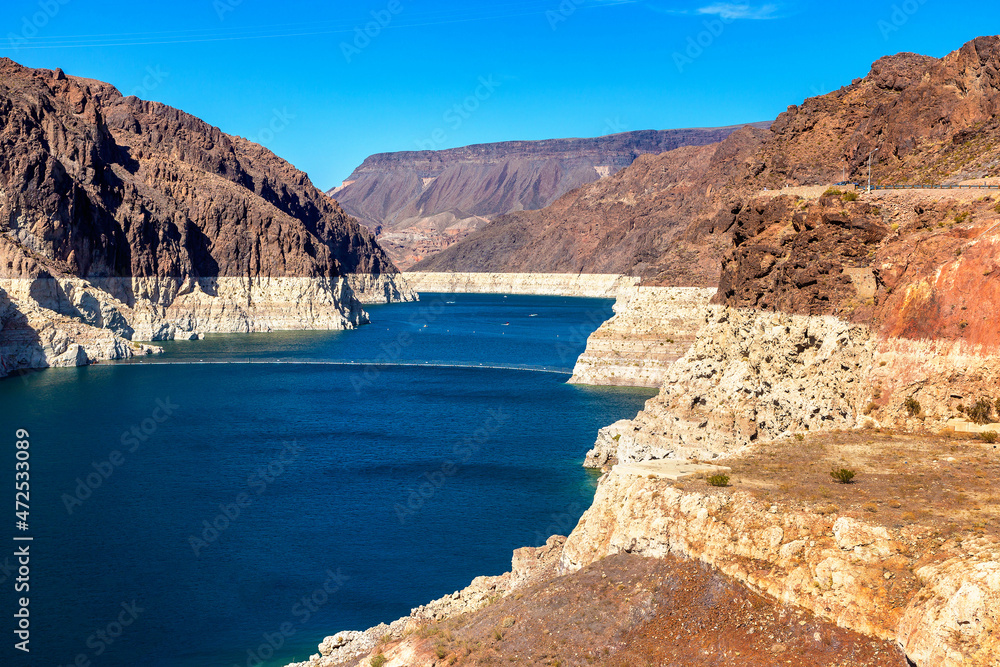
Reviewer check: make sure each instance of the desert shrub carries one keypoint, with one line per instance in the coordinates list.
(872, 407)
(719, 480)
(997, 208)
(617, 437)
(379, 660)
(800, 437)
(912, 406)
(832, 192)
(989, 437)
(440, 652)
(895, 227)
(850, 196)
(962, 217)
(842, 475)
(981, 412)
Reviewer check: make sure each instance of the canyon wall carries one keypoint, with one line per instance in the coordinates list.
(145, 222)
(603, 286)
(750, 376)
(651, 329)
(33, 337)
(867, 316)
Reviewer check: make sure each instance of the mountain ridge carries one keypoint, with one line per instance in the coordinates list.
(933, 120)
(140, 219)
(420, 202)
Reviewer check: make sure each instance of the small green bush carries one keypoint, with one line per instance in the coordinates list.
(912, 406)
(832, 192)
(850, 196)
(989, 437)
(842, 475)
(379, 660)
(800, 437)
(719, 480)
(981, 412)
(997, 208)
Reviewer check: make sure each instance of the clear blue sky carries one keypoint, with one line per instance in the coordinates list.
(297, 77)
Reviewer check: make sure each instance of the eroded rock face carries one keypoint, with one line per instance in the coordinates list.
(865, 577)
(750, 376)
(800, 257)
(652, 328)
(32, 337)
(545, 284)
(155, 221)
(932, 119)
(910, 264)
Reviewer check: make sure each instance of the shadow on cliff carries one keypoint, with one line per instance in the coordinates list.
(21, 347)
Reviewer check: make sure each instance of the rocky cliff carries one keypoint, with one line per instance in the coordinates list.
(139, 219)
(934, 597)
(651, 329)
(932, 120)
(421, 202)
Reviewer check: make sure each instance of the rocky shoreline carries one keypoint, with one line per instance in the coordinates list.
(53, 322)
(652, 328)
(753, 376)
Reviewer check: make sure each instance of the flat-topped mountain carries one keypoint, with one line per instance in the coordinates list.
(420, 202)
(142, 220)
(666, 218)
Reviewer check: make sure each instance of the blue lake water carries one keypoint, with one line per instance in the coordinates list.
(186, 510)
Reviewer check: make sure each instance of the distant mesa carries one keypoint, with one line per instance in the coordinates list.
(421, 202)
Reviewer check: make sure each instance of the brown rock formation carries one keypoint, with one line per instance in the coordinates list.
(421, 202)
(911, 264)
(933, 121)
(666, 218)
(106, 185)
(143, 204)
